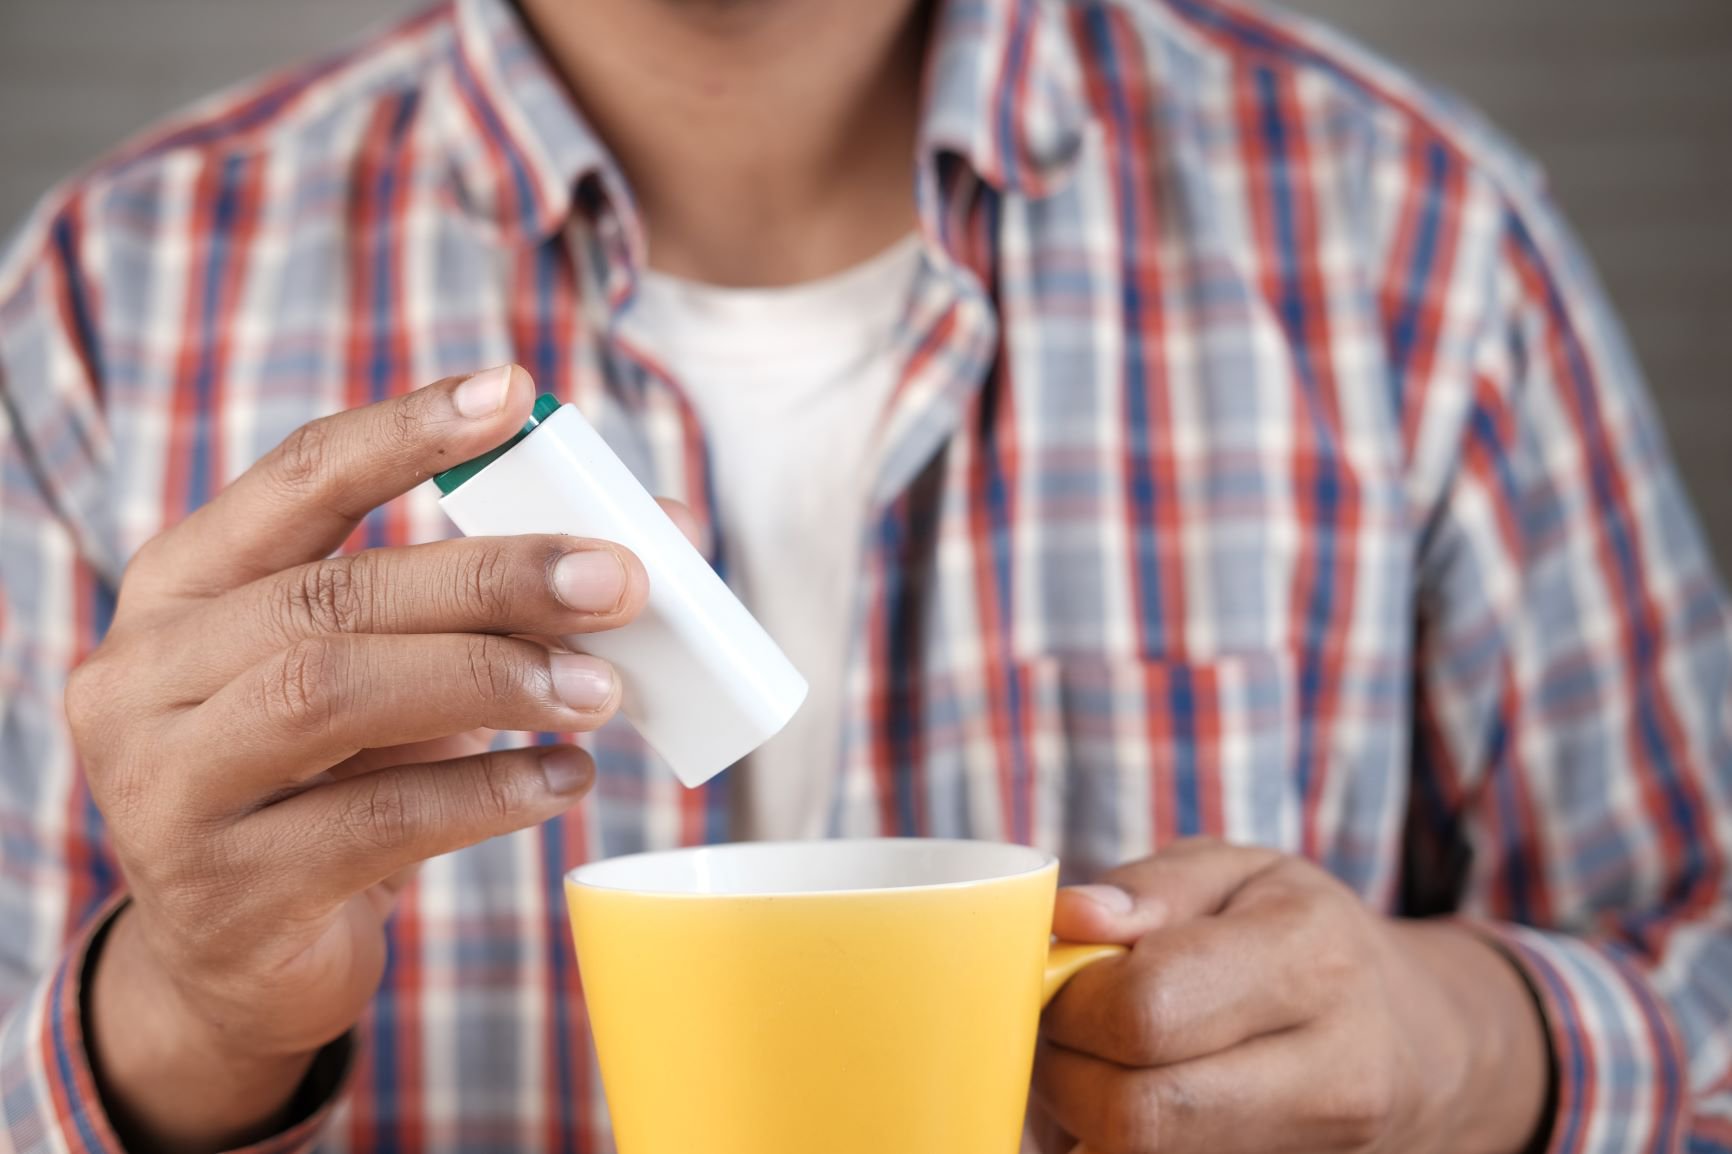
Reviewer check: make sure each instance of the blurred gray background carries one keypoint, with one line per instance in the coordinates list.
(1628, 104)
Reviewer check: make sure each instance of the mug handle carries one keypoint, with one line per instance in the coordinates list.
(1064, 960)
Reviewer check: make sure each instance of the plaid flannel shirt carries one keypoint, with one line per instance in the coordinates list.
(1266, 463)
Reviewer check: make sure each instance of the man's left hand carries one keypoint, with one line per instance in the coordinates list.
(1264, 1007)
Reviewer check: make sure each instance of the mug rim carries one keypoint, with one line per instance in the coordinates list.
(1038, 861)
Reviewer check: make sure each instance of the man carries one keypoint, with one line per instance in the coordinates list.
(1237, 485)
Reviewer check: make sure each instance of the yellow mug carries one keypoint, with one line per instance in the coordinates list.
(829, 997)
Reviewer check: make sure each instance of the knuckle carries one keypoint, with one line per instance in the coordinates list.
(101, 699)
(303, 460)
(300, 692)
(1297, 880)
(499, 794)
(1303, 880)
(483, 580)
(495, 668)
(407, 423)
(144, 561)
(86, 691)
(381, 815)
(325, 597)
(1285, 893)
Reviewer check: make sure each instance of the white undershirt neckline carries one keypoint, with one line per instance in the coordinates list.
(789, 384)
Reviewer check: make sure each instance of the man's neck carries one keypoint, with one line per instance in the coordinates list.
(767, 141)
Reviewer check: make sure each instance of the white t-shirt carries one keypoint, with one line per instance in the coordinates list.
(789, 385)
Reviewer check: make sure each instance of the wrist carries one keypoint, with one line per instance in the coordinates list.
(1490, 1038)
(169, 1077)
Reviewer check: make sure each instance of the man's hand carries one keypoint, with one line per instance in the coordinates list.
(1263, 1007)
(276, 737)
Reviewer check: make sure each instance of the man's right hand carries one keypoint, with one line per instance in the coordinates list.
(276, 737)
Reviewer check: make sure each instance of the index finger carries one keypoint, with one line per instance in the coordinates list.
(304, 497)
(1193, 990)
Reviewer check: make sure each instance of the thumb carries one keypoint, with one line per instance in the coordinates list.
(681, 515)
(1189, 879)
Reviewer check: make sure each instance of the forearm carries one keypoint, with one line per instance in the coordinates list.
(168, 1080)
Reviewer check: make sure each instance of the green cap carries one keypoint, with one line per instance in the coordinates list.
(451, 478)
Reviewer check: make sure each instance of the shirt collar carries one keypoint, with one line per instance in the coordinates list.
(521, 145)
(1004, 93)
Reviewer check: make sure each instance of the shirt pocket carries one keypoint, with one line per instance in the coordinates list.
(1124, 756)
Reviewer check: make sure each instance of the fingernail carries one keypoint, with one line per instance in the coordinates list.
(592, 581)
(566, 770)
(582, 682)
(483, 394)
(1110, 898)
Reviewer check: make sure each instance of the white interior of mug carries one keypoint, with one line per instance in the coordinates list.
(772, 869)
